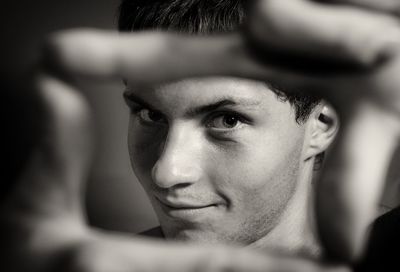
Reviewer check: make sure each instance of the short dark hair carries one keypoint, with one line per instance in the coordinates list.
(201, 17)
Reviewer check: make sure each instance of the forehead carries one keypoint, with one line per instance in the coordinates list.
(178, 96)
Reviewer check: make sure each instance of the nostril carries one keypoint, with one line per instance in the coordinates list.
(182, 185)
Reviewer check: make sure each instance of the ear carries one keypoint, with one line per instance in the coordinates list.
(323, 127)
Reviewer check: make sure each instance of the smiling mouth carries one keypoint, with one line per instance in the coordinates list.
(185, 211)
(187, 207)
(182, 206)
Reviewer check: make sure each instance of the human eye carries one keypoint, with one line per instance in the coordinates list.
(149, 117)
(226, 121)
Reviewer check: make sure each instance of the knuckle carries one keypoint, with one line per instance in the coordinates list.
(54, 50)
(363, 36)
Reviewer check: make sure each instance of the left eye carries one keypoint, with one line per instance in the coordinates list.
(150, 116)
(226, 121)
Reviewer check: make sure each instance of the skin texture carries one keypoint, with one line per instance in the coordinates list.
(247, 170)
(37, 213)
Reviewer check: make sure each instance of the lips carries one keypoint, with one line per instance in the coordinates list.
(192, 212)
(178, 205)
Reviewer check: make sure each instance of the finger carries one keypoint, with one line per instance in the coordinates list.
(353, 179)
(156, 57)
(146, 58)
(382, 5)
(117, 253)
(51, 183)
(336, 33)
(224, 55)
(43, 212)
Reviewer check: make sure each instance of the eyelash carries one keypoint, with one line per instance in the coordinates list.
(212, 117)
(135, 110)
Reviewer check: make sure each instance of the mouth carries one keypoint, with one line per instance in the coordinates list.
(186, 211)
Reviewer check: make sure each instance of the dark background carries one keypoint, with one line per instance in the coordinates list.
(114, 198)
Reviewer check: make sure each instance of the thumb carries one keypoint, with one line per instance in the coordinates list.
(42, 214)
(52, 181)
(353, 179)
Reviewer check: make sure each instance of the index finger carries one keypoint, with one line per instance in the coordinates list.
(154, 58)
(382, 5)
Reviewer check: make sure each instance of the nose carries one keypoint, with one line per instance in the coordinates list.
(179, 162)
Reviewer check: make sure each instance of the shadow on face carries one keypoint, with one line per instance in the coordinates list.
(218, 157)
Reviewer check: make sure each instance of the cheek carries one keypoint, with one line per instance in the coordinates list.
(259, 172)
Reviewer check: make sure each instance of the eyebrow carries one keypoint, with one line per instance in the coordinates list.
(136, 99)
(223, 102)
(203, 109)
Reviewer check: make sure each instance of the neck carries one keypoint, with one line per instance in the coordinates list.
(295, 232)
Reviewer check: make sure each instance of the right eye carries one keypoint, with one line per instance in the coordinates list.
(150, 116)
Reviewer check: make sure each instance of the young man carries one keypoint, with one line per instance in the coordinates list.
(224, 159)
(43, 225)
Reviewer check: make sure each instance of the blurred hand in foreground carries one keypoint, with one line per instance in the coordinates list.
(43, 218)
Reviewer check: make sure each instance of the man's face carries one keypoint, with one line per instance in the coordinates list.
(218, 157)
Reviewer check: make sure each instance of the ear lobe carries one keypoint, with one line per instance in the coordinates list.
(325, 125)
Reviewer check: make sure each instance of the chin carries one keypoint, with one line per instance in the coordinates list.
(187, 234)
(198, 236)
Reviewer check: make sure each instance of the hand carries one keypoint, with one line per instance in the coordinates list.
(43, 225)
(101, 55)
(366, 97)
